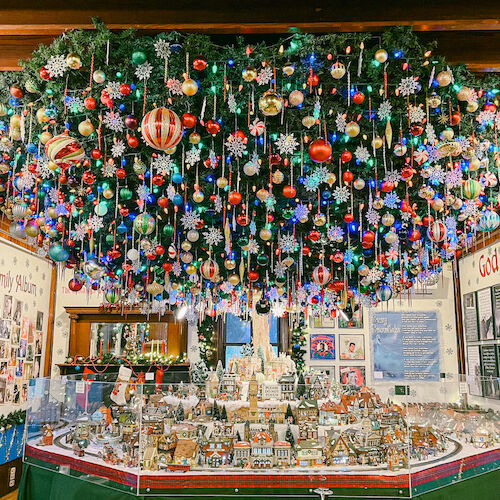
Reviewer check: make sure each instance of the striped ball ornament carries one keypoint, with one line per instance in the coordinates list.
(489, 221)
(437, 231)
(321, 275)
(144, 224)
(161, 129)
(64, 150)
(210, 270)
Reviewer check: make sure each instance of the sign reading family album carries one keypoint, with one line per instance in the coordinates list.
(405, 345)
(470, 317)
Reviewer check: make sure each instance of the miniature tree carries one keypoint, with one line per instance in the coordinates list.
(179, 413)
(289, 436)
(199, 372)
(260, 354)
(223, 414)
(219, 370)
(289, 414)
(246, 351)
(215, 411)
(301, 386)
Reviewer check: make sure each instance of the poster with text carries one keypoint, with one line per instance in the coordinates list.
(485, 314)
(322, 346)
(490, 374)
(352, 375)
(496, 309)
(352, 346)
(405, 346)
(474, 371)
(470, 317)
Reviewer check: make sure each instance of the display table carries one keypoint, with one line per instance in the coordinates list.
(37, 484)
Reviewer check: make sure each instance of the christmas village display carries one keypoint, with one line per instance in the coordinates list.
(258, 414)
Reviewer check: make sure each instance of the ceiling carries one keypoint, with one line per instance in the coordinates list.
(466, 31)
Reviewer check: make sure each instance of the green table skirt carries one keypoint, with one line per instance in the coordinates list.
(42, 484)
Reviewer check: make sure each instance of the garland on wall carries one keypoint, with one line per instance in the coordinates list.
(322, 171)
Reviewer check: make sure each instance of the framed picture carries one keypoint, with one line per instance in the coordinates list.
(489, 368)
(485, 314)
(18, 310)
(7, 307)
(321, 322)
(495, 294)
(474, 371)
(322, 346)
(355, 322)
(15, 335)
(39, 320)
(352, 375)
(470, 317)
(5, 329)
(352, 346)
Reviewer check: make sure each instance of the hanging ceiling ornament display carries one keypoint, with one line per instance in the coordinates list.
(325, 171)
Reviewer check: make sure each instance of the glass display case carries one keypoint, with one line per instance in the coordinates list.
(238, 435)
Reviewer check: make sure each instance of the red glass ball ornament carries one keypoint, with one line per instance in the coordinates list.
(124, 212)
(407, 173)
(96, 154)
(366, 244)
(253, 276)
(131, 122)
(132, 141)
(167, 266)
(358, 98)
(90, 103)
(88, 177)
(270, 218)
(336, 286)
(313, 80)
(427, 220)
(44, 74)
(387, 186)
(416, 129)
(369, 236)
(489, 106)
(212, 127)
(106, 100)
(241, 135)
(306, 250)
(242, 220)
(60, 226)
(16, 91)
(348, 218)
(345, 156)
(75, 285)
(414, 235)
(63, 179)
(160, 250)
(455, 118)
(200, 63)
(157, 180)
(125, 89)
(314, 235)
(347, 176)
(234, 198)
(320, 150)
(314, 300)
(121, 173)
(163, 202)
(70, 243)
(289, 191)
(188, 120)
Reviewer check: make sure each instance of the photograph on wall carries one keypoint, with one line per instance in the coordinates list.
(7, 307)
(36, 366)
(25, 328)
(490, 373)
(352, 375)
(328, 370)
(38, 343)
(19, 368)
(30, 352)
(474, 371)
(4, 368)
(321, 322)
(496, 309)
(322, 346)
(39, 320)
(355, 322)
(5, 329)
(18, 310)
(4, 349)
(352, 346)
(485, 314)
(15, 336)
(470, 317)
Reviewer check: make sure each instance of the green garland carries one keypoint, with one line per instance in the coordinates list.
(17, 417)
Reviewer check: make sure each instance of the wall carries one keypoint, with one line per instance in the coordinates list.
(25, 290)
(480, 271)
(438, 298)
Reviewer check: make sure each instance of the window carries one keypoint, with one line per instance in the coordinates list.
(238, 332)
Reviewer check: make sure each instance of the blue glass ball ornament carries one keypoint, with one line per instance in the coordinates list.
(57, 253)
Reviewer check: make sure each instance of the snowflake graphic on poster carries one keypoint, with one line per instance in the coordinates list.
(340, 122)
(163, 164)
(113, 90)
(193, 156)
(162, 48)
(372, 216)
(408, 86)
(56, 66)
(392, 200)
(301, 211)
(384, 110)
(175, 86)
(80, 232)
(236, 146)
(231, 103)
(362, 154)
(113, 121)
(143, 192)
(341, 194)
(335, 233)
(190, 220)
(265, 75)
(213, 236)
(454, 178)
(143, 71)
(288, 243)
(118, 148)
(311, 182)
(286, 144)
(95, 223)
(75, 104)
(416, 113)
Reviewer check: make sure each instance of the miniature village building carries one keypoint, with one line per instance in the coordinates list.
(309, 453)
(287, 387)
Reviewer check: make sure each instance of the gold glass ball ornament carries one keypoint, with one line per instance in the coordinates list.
(288, 69)
(472, 106)
(51, 212)
(359, 184)
(457, 204)
(434, 100)
(337, 70)
(194, 138)
(222, 182)
(85, 127)
(262, 194)
(189, 87)
(331, 178)
(363, 270)
(447, 134)
(319, 220)
(377, 142)
(378, 203)
(15, 121)
(45, 137)
(234, 279)
(191, 269)
(296, 98)
(41, 117)
(99, 76)
(278, 177)
(464, 93)
(352, 129)
(444, 78)
(437, 204)
(108, 193)
(31, 86)
(474, 164)
(381, 55)
(250, 168)
(270, 103)
(186, 245)
(171, 151)
(230, 264)
(391, 238)
(387, 219)
(198, 196)
(249, 74)
(139, 166)
(31, 229)
(193, 235)
(15, 134)
(73, 61)
(187, 257)
(265, 234)
(308, 121)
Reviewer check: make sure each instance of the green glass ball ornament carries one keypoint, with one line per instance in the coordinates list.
(262, 260)
(125, 194)
(168, 230)
(139, 57)
(109, 238)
